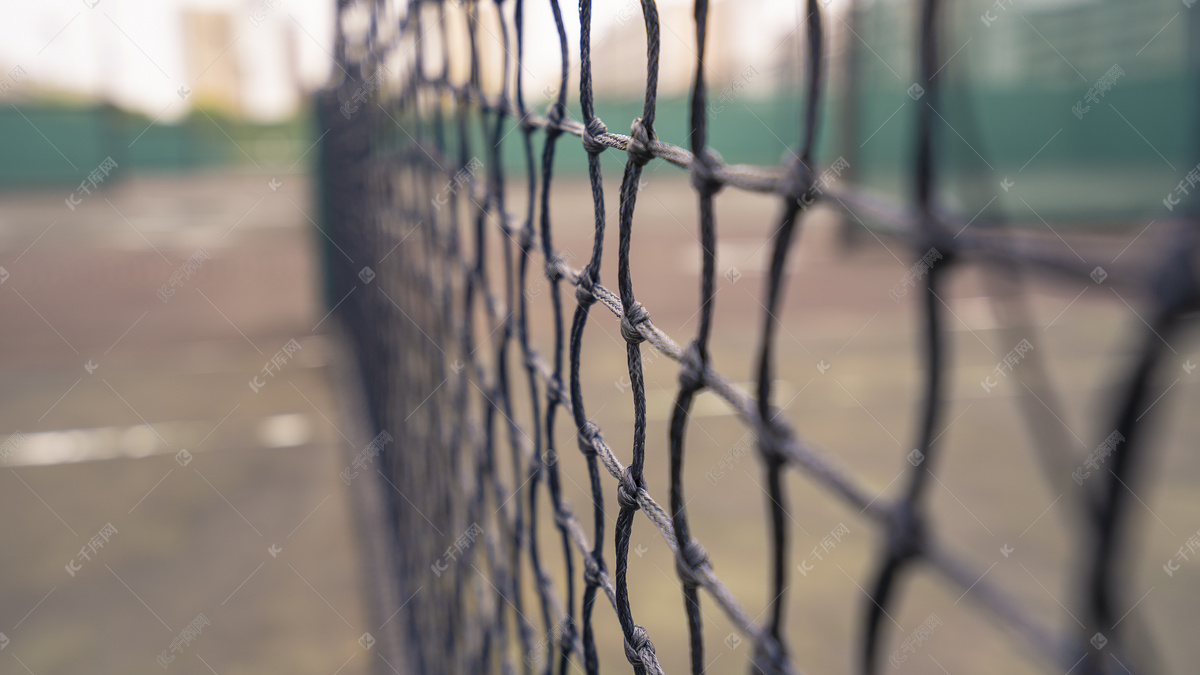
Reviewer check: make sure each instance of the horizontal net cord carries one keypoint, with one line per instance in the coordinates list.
(905, 224)
(654, 512)
(743, 176)
(817, 462)
(907, 527)
(995, 245)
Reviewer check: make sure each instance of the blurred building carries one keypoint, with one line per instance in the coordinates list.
(742, 34)
(218, 81)
(255, 58)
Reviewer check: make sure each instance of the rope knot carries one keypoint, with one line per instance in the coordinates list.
(906, 536)
(587, 437)
(591, 134)
(692, 557)
(566, 637)
(553, 273)
(503, 102)
(769, 657)
(691, 368)
(796, 183)
(635, 644)
(562, 517)
(526, 122)
(554, 117)
(525, 236)
(584, 289)
(704, 176)
(769, 443)
(638, 147)
(627, 491)
(591, 571)
(635, 315)
(554, 391)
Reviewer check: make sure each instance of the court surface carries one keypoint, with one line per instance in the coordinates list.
(107, 383)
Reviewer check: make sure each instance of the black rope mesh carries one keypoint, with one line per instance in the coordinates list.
(412, 177)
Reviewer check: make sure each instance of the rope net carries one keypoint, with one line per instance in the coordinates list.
(412, 175)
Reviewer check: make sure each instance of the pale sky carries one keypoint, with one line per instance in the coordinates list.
(132, 51)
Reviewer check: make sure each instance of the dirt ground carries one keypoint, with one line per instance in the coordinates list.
(850, 367)
(142, 413)
(138, 412)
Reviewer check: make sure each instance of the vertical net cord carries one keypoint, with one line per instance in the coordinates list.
(423, 184)
(797, 181)
(637, 643)
(377, 193)
(692, 559)
(1175, 293)
(525, 245)
(589, 277)
(496, 197)
(906, 527)
(489, 598)
(478, 279)
(554, 395)
(494, 628)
